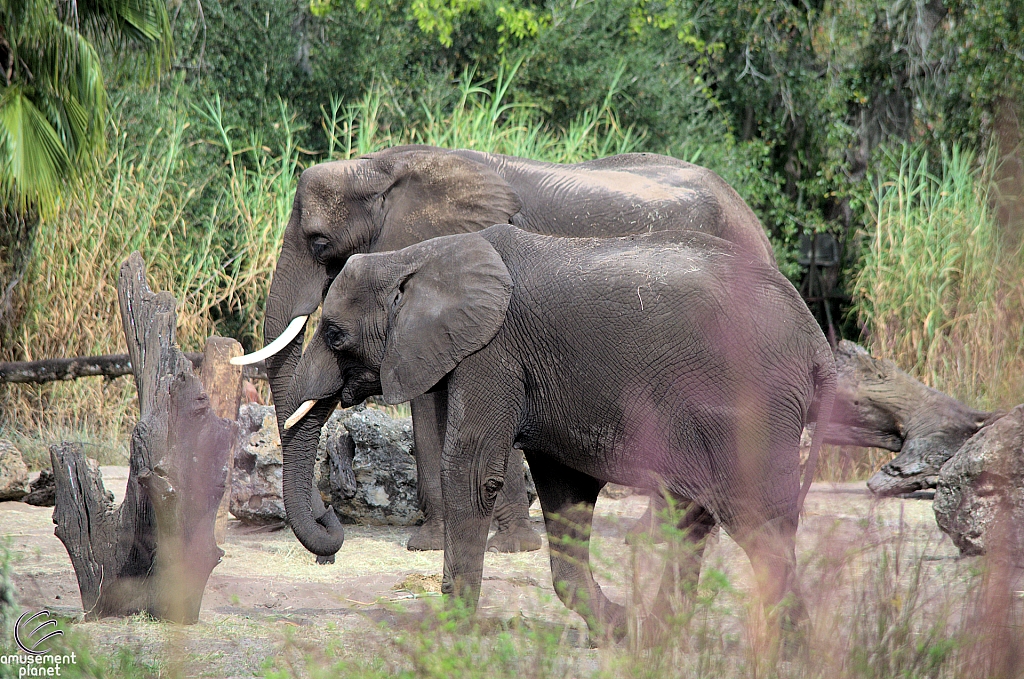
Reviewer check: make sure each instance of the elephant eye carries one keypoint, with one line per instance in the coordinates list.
(335, 337)
(319, 245)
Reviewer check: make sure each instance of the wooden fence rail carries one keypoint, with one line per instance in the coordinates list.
(111, 365)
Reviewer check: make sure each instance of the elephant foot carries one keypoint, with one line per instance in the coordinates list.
(325, 560)
(429, 536)
(518, 537)
(612, 628)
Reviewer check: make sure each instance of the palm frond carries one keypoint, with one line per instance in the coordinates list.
(74, 98)
(33, 161)
(141, 23)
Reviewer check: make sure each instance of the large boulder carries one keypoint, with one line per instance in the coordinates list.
(13, 472)
(979, 499)
(43, 490)
(364, 467)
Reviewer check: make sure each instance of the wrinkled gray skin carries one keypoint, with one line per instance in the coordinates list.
(666, 361)
(401, 196)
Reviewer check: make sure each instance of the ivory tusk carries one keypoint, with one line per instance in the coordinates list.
(293, 329)
(299, 413)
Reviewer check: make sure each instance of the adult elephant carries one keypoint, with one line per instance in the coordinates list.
(398, 197)
(670, 361)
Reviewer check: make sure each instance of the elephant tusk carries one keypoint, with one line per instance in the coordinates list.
(293, 329)
(299, 413)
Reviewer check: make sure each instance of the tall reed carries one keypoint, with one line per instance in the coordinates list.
(939, 290)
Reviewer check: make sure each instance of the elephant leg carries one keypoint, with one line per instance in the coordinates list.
(512, 512)
(429, 414)
(568, 498)
(646, 526)
(481, 426)
(676, 594)
(771, 549)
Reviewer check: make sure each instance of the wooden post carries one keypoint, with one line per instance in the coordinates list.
(223, 382)
(155, 552)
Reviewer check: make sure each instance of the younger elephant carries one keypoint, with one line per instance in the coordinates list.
(670, 361)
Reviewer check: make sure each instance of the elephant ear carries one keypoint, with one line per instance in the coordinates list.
(435, 192)
(450, 303)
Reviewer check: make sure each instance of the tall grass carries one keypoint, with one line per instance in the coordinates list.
(939, 291)
(210, 233)
(883, 601)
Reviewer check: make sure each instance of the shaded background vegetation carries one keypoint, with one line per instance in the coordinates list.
(892, 125)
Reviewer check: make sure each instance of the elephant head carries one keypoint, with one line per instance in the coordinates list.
(382, 201)
(395, 324)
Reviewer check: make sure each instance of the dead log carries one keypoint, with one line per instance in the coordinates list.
(155, 551)
(979, 501)
(110, 365)
(878, 405)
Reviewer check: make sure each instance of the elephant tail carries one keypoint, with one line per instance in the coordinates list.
(819, 412)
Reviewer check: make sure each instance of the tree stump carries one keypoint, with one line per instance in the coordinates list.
(878, 405)
(155, 551)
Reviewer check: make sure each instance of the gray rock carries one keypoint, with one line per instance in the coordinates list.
(979, 499)
(13, 472)
(256, 473)
(364, 468)
(43, 490)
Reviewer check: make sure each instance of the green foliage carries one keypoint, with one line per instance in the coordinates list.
(8, 598)
(53, 99)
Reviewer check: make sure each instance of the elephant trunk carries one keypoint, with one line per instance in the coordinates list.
(296, 291)
(315, 525)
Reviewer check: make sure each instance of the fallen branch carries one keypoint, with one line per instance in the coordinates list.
(110, 365)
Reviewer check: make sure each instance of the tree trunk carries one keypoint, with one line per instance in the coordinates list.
(155, 552)
(223, 382)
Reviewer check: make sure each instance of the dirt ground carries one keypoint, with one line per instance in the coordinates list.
(268, 597)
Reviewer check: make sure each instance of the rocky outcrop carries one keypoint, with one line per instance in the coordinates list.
(979, 499)
(878, 405)
(13, 472)
(364, 468)
(256, 470)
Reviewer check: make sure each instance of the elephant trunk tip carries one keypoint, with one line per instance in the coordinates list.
(327, 537)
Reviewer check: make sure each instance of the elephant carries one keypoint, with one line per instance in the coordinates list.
(671, 361)
(403, 195)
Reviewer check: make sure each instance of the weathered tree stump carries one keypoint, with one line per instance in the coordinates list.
(155, 551)
(878, 405)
